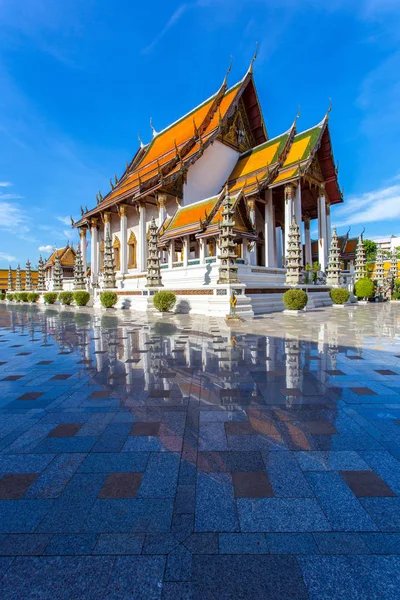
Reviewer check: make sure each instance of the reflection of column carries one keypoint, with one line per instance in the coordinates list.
(94, 265)
(252, 214)
(162, 213)
(269, 231)
(307, 241)
(279, 250)
(204, 355)
(322, 246)
(124, 239)
(143, 338)
(142, 236)
(82, 234)
(288, 215)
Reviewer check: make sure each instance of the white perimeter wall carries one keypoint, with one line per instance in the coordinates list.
(207, 176)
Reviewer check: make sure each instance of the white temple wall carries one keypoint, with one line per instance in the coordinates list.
(209, 173)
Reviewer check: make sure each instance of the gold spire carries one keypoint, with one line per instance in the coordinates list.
(253, 59)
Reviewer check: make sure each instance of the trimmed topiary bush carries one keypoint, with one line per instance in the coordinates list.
(364, 288)
(295, 299)
(33, 297)
(2, 296)
(108, 299)
(10, 297)
(81, 298)
(66, 298)
(50, 297)
(23, 296)
(164, 301)
(339, 295)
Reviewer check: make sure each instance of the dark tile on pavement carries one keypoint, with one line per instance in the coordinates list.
(252, 485)
(121, 485)
(13, 486)
(366, 484)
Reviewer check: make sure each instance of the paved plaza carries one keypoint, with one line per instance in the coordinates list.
(176, 458)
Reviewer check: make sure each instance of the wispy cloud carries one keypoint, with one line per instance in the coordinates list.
(12, 217)
(5, 183)
(7, 257)
(46, 249)
(371, 207)
(171, 21)
(65, 220)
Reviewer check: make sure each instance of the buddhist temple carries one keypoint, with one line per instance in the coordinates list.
(181, 178)
(66, 256)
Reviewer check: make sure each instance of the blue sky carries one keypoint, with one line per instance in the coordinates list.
(79, 79)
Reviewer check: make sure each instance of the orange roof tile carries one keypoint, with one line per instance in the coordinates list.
(191, 215)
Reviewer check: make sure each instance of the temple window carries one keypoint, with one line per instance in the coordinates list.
(132, 245)
(238, 249)
(194, 249)
(116, 247)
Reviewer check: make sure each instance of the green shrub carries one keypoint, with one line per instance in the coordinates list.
(2, 296)
(50, 297)
(33, 297)
(295, 299)
(81, 298)
(164, 301)
(10, 297)
(66, 298)
(364, 288)
(108, 299)
(396, 296)
(23, 296)
(339, 295)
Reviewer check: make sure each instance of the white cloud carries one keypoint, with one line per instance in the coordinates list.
(5, 183)
(65, 220)
(12, 217)
(171, 21)
(7, 257)
(47, 249)
(68, 233)
(377, 205)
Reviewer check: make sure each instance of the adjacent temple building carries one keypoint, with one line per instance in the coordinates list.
(222, 193)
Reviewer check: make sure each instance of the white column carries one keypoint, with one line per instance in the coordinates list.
(252, 213)
(307, 241)
(162, 213)
(322, 247)
(279, 249)
(269, 230)
(82, 235)
(202, 248)
(94, 263)
(142, 237)
(288, 214)
(328, 227)
(124, 240)
(107, 225)
(171, 252)
(186, 247)
(298, 211)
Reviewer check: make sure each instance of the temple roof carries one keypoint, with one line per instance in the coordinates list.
(172, 150)
(203, 218)
(256, 165)
(66, 256)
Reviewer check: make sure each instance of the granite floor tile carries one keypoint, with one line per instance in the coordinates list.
(121, 485)
(252, 485)
(145, 429)
(139, 577)
(366, 483)
(291, 543)
(14, 486)
(281, 515)
(65, 430)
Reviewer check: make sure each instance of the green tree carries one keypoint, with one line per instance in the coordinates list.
(370, 250)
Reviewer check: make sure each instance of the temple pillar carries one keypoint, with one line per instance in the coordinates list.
(269, 230)
(107, 224)
(307, 241)
(185, 247)
(142, 237)
(279, 249)
(322, 241)
(328, 227)
(202, 248)
(94, 263)
(162, 213)
(83, 244)
(298, 212)
(171, 252)
(124, 239)
(252, 214)
(288, 215)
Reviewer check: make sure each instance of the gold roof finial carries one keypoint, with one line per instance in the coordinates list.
(152, 128)
(330, 107)
(253, 59)
(228, 71)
